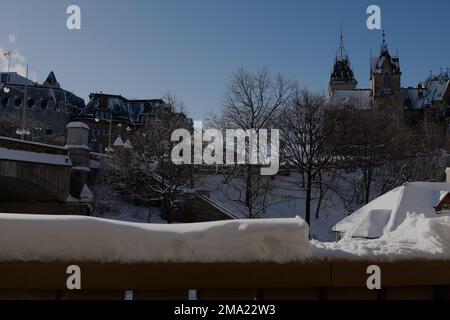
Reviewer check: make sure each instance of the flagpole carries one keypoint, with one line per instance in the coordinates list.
(24, 105)
(9, 65)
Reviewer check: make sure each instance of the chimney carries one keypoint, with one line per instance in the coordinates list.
(447, 174)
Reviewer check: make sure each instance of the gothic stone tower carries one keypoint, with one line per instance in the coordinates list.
(342, 76)
(385, 78)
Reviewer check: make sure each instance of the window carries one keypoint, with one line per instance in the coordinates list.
(44, 104)
(5, 101)
(49, 129)
(100, 147)
(17, 101)
(4, 77)
(31, 103)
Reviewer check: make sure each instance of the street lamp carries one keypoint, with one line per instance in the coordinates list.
(109, 149)
(23, 132)
(6, 89)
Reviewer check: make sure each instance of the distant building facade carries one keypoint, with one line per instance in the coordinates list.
(429, 102)
(121, 116)
(48, 108)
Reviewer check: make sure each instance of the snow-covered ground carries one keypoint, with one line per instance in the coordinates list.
(285, 199)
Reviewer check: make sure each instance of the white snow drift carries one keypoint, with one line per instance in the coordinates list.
(387, 212)
(76, 238)
(418, 237)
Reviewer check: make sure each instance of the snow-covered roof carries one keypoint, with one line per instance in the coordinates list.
(77, 238)
(387, 212)
(358, 98)
(376, 63)
(77, 124)
(34, 157)
(34, 143)
(86, 194)
(127, 144)
(437, 88)
(414, 98)
(416, 238)
(118, 142)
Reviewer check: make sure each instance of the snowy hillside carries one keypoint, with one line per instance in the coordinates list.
(284, 200)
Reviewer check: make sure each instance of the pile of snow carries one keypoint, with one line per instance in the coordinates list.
(418, 237)
(387, 212)
(77, 124)
(77, 238)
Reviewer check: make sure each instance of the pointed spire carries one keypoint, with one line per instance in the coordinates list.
(341, 54)
(384, 47)
(341, 43)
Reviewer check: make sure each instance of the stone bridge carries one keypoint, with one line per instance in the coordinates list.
(32, 172)
(43, 178)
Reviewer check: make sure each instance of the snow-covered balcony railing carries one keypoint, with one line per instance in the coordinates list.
(237, 259)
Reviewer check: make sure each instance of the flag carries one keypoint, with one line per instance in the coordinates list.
(6, 53)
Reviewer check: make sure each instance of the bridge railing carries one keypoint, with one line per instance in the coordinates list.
(319, 280)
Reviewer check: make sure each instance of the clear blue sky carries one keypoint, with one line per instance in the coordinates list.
(142, 49)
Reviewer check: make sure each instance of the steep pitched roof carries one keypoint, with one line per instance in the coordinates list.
(358, 98)
(51, 80)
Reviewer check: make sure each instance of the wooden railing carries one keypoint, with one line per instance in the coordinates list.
(264, 281)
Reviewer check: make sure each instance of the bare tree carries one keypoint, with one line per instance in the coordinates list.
(145, 172)
(383, 151)
(251, 101)
(306, 131)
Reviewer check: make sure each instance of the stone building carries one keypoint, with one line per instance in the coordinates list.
(48, 108)
(113, 116)
(428, 102)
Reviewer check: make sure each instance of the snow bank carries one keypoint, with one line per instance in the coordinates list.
(76, 238)
(387, 212)
(418, 237)
(34, 157)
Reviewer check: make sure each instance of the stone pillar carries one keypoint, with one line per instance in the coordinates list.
(77, 143)
(447, 174)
